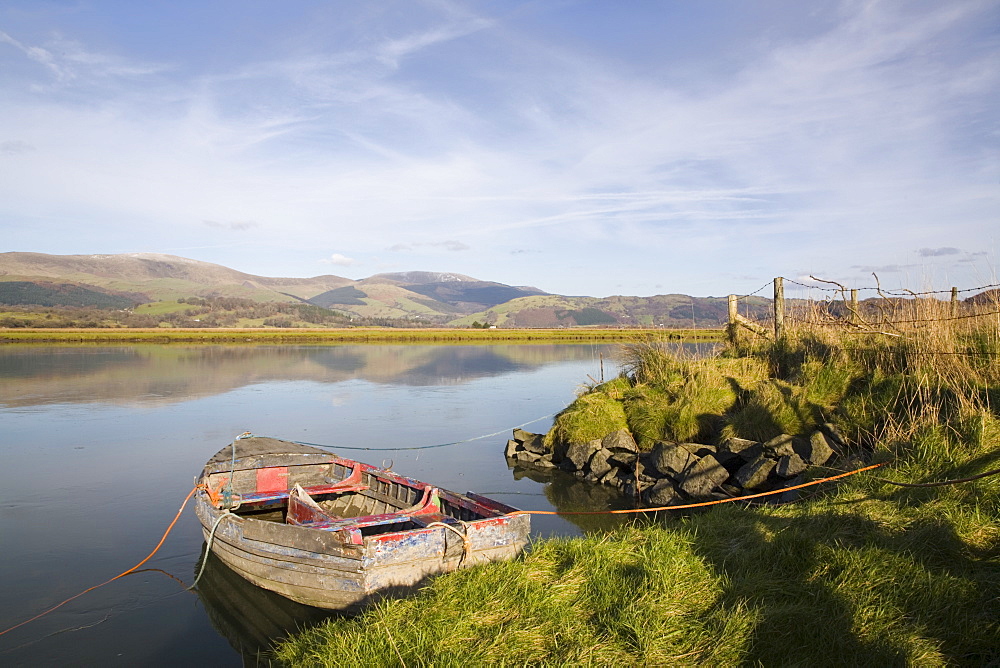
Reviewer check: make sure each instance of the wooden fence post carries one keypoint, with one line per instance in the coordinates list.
(954, 302)
(779, 307)
(855, 316)
(732, 319)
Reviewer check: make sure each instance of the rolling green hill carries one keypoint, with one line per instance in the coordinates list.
(416, 297)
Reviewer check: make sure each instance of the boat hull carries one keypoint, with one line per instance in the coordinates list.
(342, 567)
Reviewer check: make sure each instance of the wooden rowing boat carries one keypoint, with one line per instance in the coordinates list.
(336, 533)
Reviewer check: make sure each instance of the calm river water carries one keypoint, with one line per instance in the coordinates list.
(100, 445)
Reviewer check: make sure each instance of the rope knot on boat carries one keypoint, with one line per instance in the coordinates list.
(464, 535)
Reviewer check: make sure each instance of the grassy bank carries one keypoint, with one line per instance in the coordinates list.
(896, 580)
(352, 335)
(862, 572)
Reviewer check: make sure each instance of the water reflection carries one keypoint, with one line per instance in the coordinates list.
(252, 619)
(165, 373)
(569, 494)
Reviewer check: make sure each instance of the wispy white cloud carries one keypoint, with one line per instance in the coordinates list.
(885, 269)
(451, 245)
(236, 225)
(392, 51)
(41, 56)
(15, 147)
(340, 260)
(938, 252)
(69, 60)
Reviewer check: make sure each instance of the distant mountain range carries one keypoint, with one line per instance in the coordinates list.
(128, 280)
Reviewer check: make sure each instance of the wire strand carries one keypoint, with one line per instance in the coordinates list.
(423, 447)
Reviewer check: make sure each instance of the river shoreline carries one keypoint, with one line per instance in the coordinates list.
(351, 335)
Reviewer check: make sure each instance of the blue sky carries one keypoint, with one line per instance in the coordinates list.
(582, 147)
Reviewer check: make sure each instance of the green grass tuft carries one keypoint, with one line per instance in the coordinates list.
(773, 408)
(634, 596)
(648, 414)
(592, 415)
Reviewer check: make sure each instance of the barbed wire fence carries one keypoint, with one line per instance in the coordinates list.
(873, 310)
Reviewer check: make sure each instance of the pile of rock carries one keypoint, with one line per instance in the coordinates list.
(674, 473)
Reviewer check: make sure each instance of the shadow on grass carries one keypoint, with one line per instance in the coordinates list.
(836, 589)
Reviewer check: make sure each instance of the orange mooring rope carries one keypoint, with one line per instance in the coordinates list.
(519, 512)
(120, 575)
(685, 506)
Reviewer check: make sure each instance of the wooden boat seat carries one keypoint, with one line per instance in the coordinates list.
(351, 483)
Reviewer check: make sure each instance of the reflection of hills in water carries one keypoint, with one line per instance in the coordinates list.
(252, 619)
(150, 374)
(567, 494)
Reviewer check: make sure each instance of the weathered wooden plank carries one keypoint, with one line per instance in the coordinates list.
(289, 572)
(273, 533)
(492, 504)
(378, 496)
(493, 554)
(306, 476)
(339, 597)
(409, 574)
(394, 575)
(259, 446)
(404, 547)
(244, 463)
(414, 545)
(296, 537)
(249, 481)
(504, 530)
(257, 549)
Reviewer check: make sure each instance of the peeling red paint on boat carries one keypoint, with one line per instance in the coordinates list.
(272, 479)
